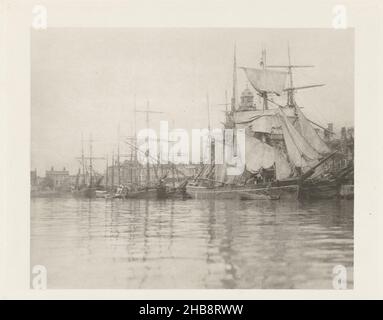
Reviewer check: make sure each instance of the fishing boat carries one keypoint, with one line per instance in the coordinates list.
(147, 187)
(284, 156)
(172, 192)
(142, 179)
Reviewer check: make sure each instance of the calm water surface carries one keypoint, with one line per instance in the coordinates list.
(191, 244)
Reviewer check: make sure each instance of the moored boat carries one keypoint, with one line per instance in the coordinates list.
(89, 187)
(236, 192)
(250, 196)
(85, 192)
(284, 155)
(101, 194)
(320, 189)
(146, 193)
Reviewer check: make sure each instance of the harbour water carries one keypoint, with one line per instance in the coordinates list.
(131, 244)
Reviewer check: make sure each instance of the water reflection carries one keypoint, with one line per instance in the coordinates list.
(191, 244)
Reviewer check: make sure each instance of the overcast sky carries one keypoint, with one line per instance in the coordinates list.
(85, 80)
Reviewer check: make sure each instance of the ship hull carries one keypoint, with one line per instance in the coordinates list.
(85, 193)
(243, 192)
(320, 190)
(142, 194)
(101, 194)
(166, 193)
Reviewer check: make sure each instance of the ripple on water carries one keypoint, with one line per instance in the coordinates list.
(191, 244)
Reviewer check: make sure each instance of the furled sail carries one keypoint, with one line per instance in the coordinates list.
(245, 117)
(300, 152)
(308, 132)
(264, 80)
(265, 124)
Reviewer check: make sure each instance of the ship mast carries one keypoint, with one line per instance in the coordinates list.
(113, 164)
(132, 156)
(290, 93)
(211, 139)
(172, 163)
(118, 156)
(264, 93)
(83, 159)
(147, 162)
(234, 96)
(234, 100)
(90, 162)
(90, 158)
(147, 112)
(208, 112)
(137, 172)
(291, 89)
(106, 173)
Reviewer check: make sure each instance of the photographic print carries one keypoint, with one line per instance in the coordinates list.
(192, 158)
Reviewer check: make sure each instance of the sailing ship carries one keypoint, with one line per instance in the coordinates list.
(176, 189)
(156, 182)
(142, 183)
(285, 157)
(145, 178)
(88, 184)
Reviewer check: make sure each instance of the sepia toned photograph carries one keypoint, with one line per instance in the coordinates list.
(192, 158)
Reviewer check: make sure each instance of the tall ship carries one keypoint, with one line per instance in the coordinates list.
(147, 179)
(152, 179)
(285, 156)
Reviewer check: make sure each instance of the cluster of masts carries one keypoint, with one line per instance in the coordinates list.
(88, 171)
(264, 94)
(90, 175)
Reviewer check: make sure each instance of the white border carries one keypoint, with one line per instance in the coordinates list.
(364, 16)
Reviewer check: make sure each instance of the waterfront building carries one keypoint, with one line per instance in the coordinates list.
(57, 178)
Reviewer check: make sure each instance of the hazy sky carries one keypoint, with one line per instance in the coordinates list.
(85, 80)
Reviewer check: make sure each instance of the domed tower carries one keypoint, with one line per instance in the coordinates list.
(247, 100)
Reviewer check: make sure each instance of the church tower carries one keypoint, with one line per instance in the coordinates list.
(247, 100)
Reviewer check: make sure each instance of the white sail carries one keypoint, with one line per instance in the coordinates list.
(258, 155)
(264, 80)
(307, 131)
(245, 117)
(282, 166)
(266, 124)
(300, 152)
